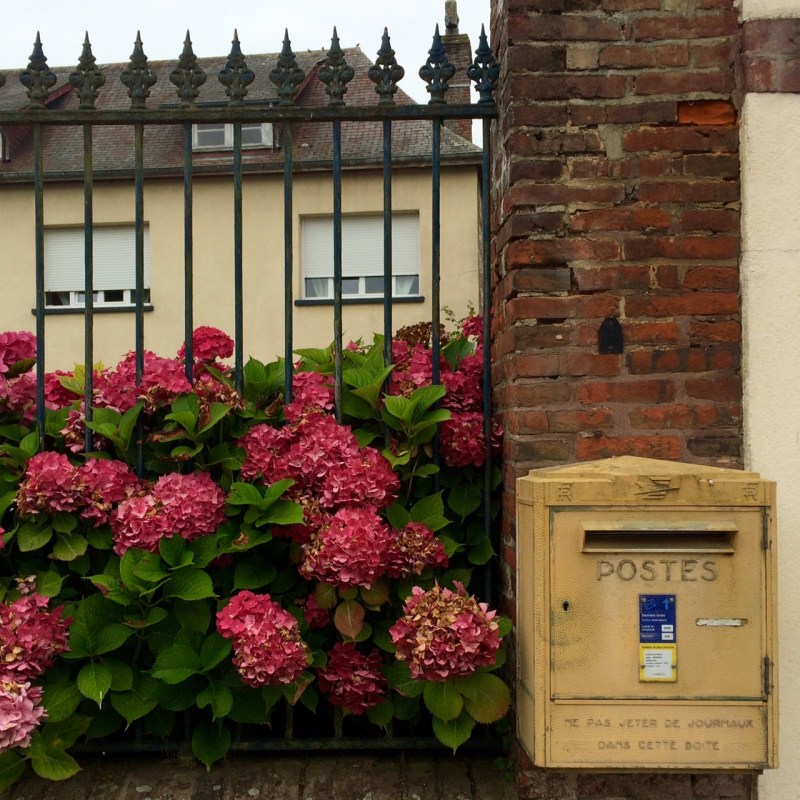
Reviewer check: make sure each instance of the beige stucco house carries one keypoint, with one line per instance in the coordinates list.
(213, 218)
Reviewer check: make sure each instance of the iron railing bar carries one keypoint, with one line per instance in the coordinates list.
(188, 252)
(88, 288)
(38, 202)
(337, 268)
(238, 304)
(486, 310)
(138, 145)
(387, 243)
(172, 116)
(436, 218)
(288, 265)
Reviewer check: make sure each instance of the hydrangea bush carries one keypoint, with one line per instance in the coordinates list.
(261, 555)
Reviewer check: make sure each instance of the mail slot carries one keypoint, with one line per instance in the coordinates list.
(646, 616)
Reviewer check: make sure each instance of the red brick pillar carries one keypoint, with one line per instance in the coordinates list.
(616, 194)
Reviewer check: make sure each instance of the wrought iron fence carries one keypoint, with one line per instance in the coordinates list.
(238, 110)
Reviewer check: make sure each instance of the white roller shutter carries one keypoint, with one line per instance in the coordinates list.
(362, 246)
(114, 258)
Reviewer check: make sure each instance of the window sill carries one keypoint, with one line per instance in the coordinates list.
(361, 301)
(56, 311)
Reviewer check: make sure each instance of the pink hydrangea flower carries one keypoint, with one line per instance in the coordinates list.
(57, 395)
(312, 392)
(192, 505)
(16, 346)
(267, 645)
(352, 679)
(18, 395)
(350, 550)
(30, 637)
(133, 524)
(472, 326)
(208, 344)
(162, 380)
(445, 634)
(462, 440)
(316, 617)
(263, 445)
(178, 505)
(414, 548)
(21, 712)
(50, 484)
(105, 484)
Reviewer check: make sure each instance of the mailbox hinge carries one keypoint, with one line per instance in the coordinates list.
(767, 676)
(765, 531)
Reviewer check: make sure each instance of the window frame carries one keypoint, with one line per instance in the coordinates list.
(267, 137)
(69, 277)
(399, 271)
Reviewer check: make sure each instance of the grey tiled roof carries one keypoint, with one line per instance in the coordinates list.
(113, 147)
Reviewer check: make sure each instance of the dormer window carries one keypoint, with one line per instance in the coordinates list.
(219, 135)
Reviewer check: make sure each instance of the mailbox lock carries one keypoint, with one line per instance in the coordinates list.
(565, 605)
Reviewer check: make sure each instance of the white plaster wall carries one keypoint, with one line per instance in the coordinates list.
(771, 311)
(763, 9)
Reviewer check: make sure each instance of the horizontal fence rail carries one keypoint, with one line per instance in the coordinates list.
(41, 114)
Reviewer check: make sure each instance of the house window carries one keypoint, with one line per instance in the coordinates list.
(219, 135)
(362, 256)
(114, 267)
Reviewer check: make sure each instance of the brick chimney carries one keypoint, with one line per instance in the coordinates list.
(459, 53)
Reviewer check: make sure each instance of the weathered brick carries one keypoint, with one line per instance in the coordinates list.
(552, 27)
(680, 139)
(717, 447)
(631, 5)
(705, 26)
(689, 191)
(566, 85)
(542, 337)
(714, 220)
(627, 110)
(594, 279)
(601, 419)
(624, 218)
(542, 194)
(685, 82)
(636, 56)
(651, 333)
(711, 165)
(724, 331)
(533, 394)
(686, 247)
(706, 55)
(684, 417)
(630, 392)
(771, 36)
(720, 387)
(540, 279)
(528, 169)
(527, 252)
(575, 306)
(532, 58)
(664, 447)
(539, 450)
(704, 304)
(526, 422)
(542, 142)
(706, 112)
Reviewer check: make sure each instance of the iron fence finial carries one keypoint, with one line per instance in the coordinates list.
(437, 71)
(386, 73)
(235, 76)
(38, 79)
(87, 77)
(286, 75)
(336, 73)
(188, 76)
(485, 70)
(138, 76)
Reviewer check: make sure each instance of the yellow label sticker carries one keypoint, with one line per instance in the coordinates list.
(658, 663)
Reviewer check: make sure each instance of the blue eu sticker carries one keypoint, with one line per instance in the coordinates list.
(657, 618)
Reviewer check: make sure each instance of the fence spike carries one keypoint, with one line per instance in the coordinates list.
(38, 79)
(484, 70)
(138, 76)
(437, 71)
(286, 75)
(336, 73)
(87, 77)
(235, 75)
(386, 73)
(188, 76)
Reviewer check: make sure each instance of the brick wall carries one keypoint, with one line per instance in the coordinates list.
(616, 195)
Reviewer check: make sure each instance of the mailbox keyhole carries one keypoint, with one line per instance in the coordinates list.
(565, 605)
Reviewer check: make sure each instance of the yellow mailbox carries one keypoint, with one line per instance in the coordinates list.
(646, 616)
